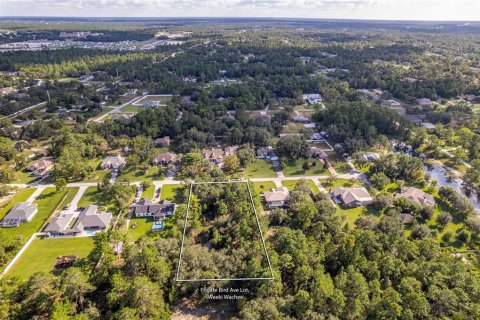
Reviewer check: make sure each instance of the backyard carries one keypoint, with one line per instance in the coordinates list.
(261, 187)
(41, 255)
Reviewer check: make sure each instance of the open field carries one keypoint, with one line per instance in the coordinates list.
(293, 167)
(41, 255)
(290, 184)
(261, 187)
(172, 192)
(260, 168)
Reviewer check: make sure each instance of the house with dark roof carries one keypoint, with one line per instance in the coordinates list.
(352, 197)
(406, 218)
(267, 153)
(89, 220)
(416, 196)
(20, 213)
(146, 208)
(121, 117)
(315, 152)
(276, 198)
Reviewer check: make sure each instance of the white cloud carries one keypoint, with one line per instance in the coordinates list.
(346, 9)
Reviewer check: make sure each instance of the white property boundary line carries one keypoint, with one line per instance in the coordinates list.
(259, 228)
(137, 102)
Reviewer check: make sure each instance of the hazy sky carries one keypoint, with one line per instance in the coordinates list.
(339, 9)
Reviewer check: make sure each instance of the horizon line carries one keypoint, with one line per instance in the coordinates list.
(230, 17)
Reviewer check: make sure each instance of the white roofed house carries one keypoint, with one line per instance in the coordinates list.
(315, 152)
(424, 102)
(113, 162)
(276, 198)
(416, 196)
(41, 167)
(352, 197)
(20, 213)
(312, 98)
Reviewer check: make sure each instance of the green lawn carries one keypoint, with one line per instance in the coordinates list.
(149, 192)
(172, 192)
(137, 174)
(92, 196)
(21, 196)
(98, 174)
(350, 214)
(294, 167)
(261, 187)
(293, 127)
(24, 177)
(290, 184)
(340, 165)
(340, 183)
(47, 202)
(143, 226)
(260, 168)
(132, 108)
(42, 254)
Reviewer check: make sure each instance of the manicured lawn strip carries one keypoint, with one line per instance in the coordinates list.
(340, 183)
(42, 254)
(290, 184)
(69, 197)
(340, 165)
(24, 177)
(93, 196)
(261, 168)
(171, 192)
(137, 174)
(350, 214)
(132, 108)
(22, 196)
(294, 167)
(261, 187)
(144, 225)
(149, 192)
(47, 202)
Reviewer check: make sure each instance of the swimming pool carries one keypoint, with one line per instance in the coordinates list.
(157, 226)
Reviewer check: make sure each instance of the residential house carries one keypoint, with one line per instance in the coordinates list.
(166, 159)
(300, 118)
(424, 102)
(416, 196)
(315, 152)
(371, 156)
(89, 220)
(276, 198)
(216, 155)
(406, 218)
(113, 162)
(20, 213)
(162, 142)
(121, 117)
(352, 197)
(151, 104)
(316, 137)
(41, 167)
(146, 208)
(313, 98)
(267, 153)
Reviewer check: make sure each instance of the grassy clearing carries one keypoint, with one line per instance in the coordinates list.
(172, 192)
(41, 255)
(292, 127)
(341, 183)
(137, 174)
(143, 226)
(293, 167)
(93, 196)
(47, 202)
(351, 215)
(290, 185)
(260, 168)
(340, 165)
(149, 192)
(261, 187)
(132, 108)
(98, 174)
(23, 177)
(22, 196)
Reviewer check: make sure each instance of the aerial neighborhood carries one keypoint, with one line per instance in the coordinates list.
(316, 169)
